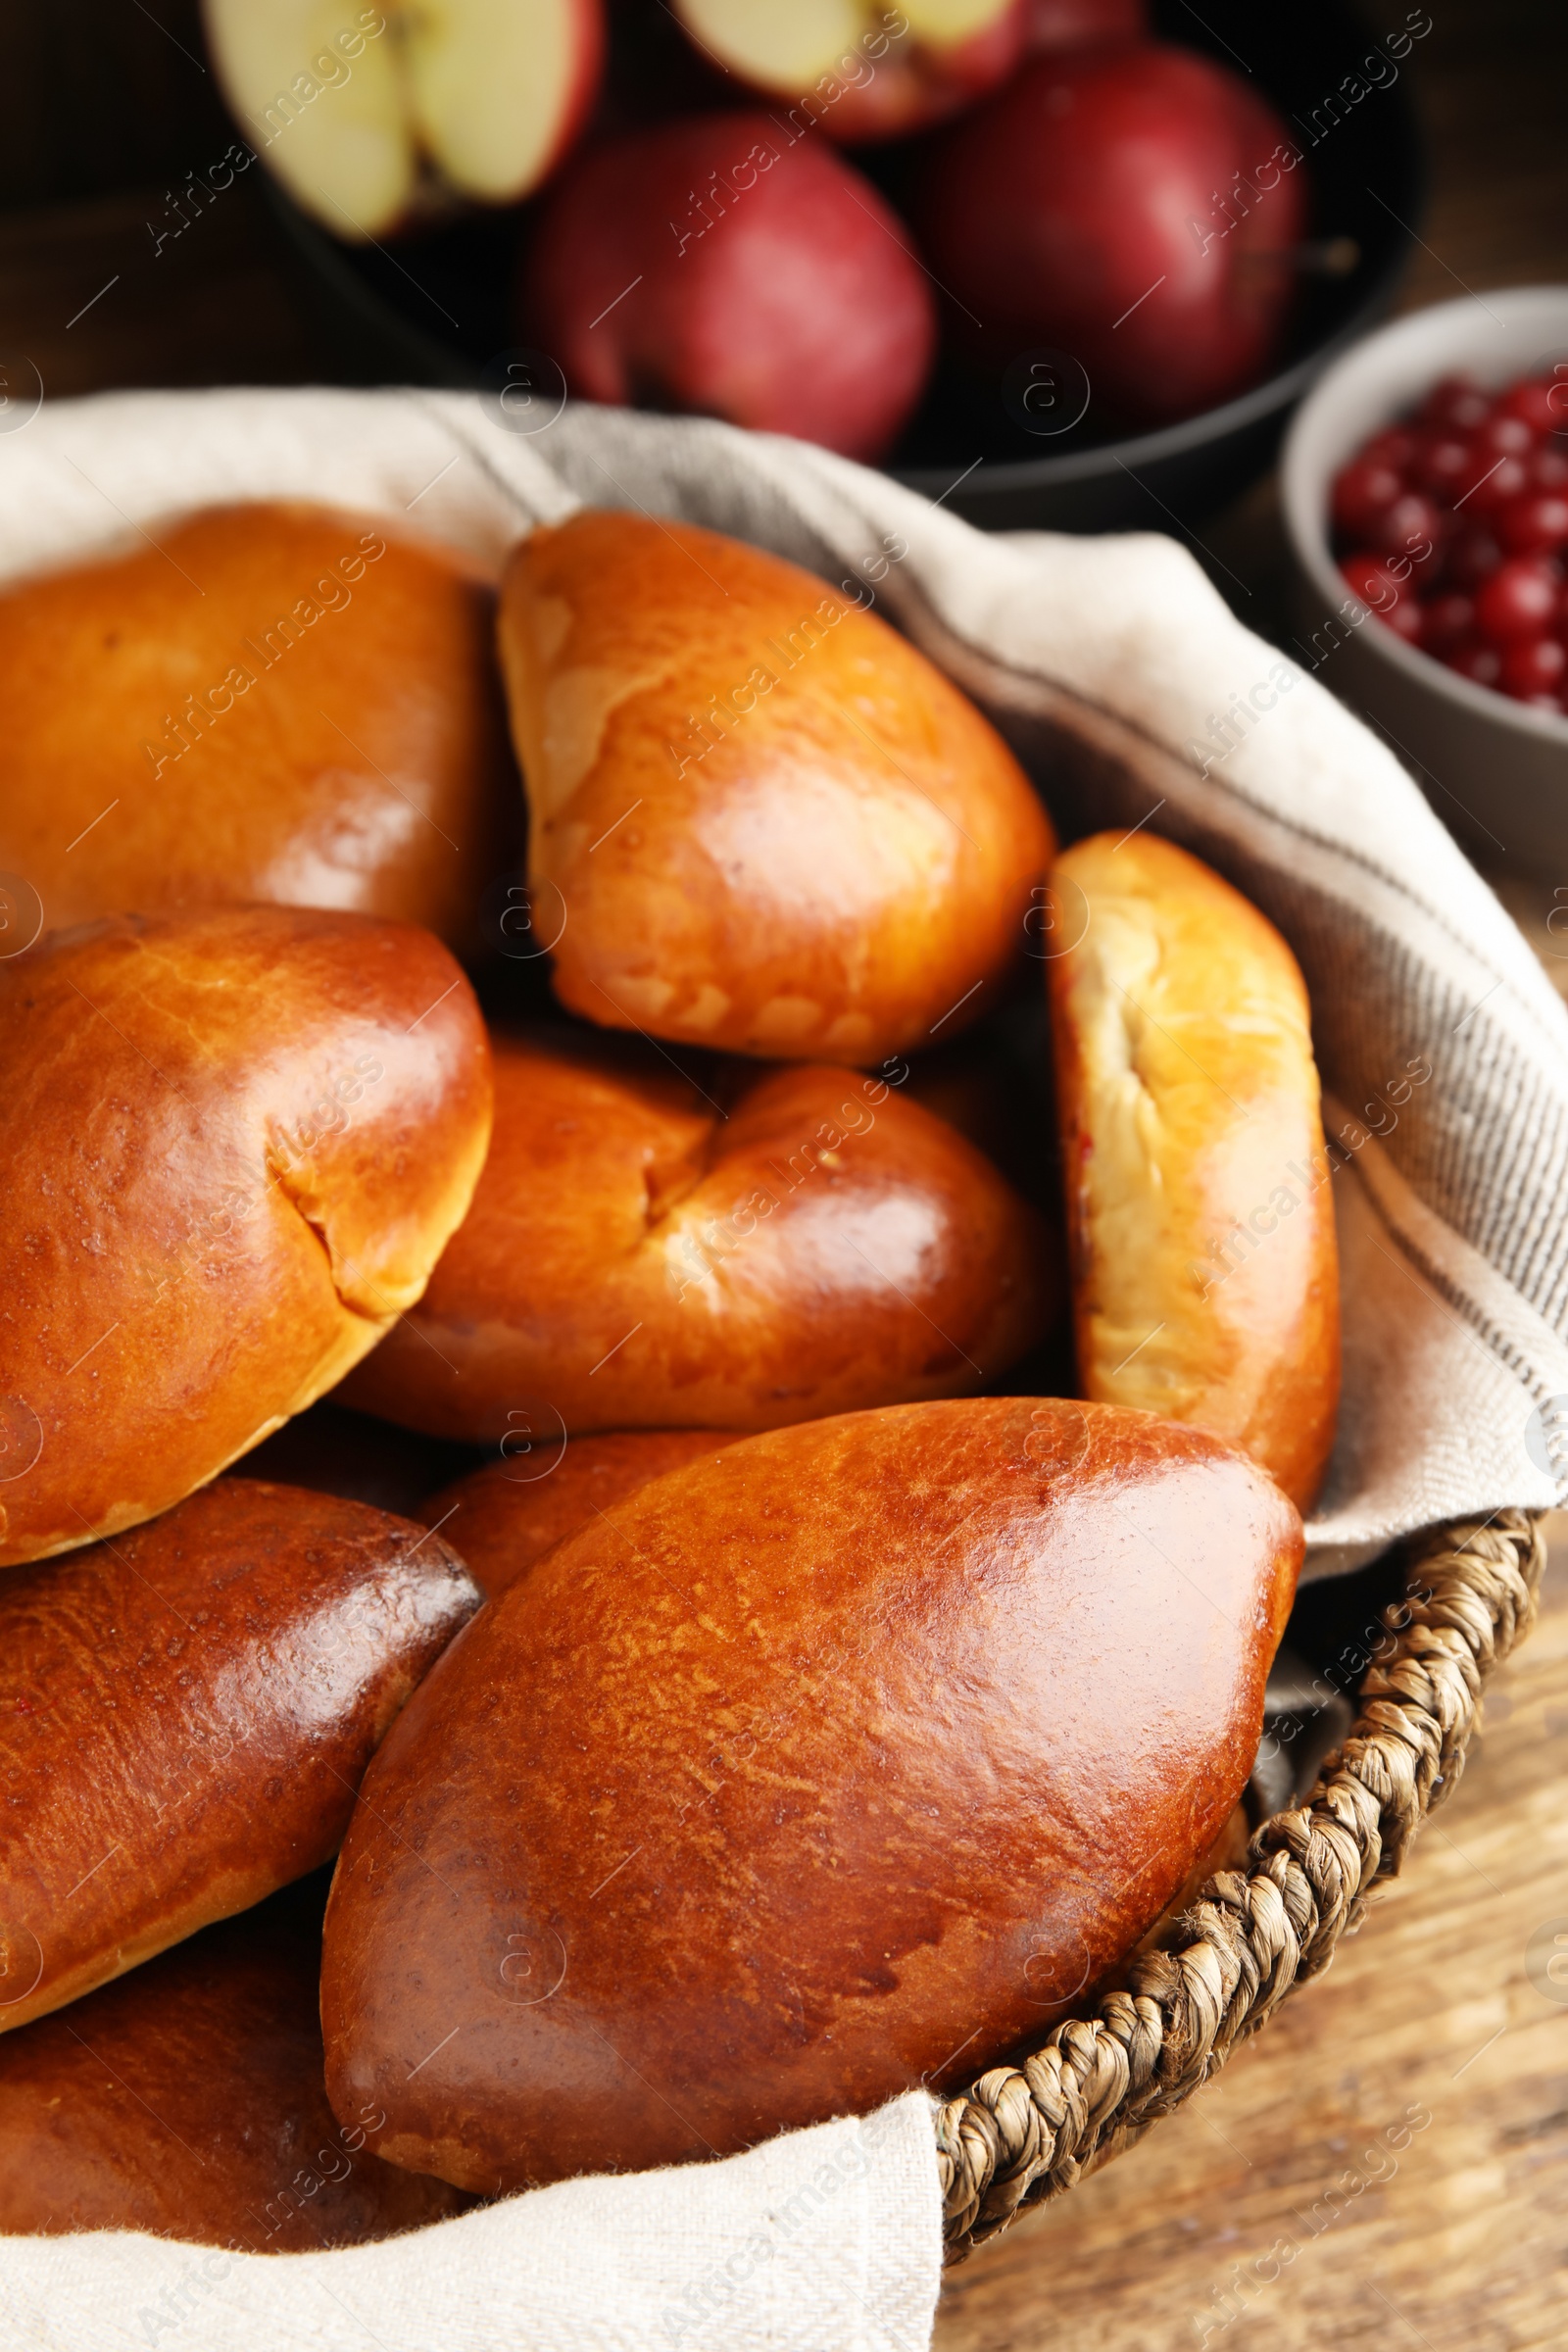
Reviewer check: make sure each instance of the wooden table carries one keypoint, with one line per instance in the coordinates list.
(1213, 2230)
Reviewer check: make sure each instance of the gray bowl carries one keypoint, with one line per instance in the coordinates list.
(1496, 771)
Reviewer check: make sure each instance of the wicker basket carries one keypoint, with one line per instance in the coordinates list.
(1022, 2134)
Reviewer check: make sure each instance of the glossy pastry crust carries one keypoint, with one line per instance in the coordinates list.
(508, 1515)
(835, 1763)
(187, 2100)
(639, 1255)
(195, 1705)
(759, 818)
(234, 1146)
(271, 701)
(1199, 1212)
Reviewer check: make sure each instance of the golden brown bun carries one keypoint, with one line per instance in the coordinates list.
(1200, 1221)
(636, 1259)
(1227, 1853)
(842, 1761)
(364, 765)
(197, 1701)
(511, 1513)
(188, 2100)
(233, 1146)
(843, 861)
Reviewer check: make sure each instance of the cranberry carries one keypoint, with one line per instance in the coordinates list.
(1479, 664)
(1519, 600)
(1494, 481)
(1479, 481)
(1394, 447)
(1392, 600)
(1447, 620)
(1404, 620)
(1505, 435)
(1531, 400)
(1443, 463)
(1532, 665)
(1363, 493)
(1535, 524)
(1368, 579)
(1410, 527)
(1472, 556)
(1456, 401)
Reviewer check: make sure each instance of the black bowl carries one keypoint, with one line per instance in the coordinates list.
(436, 309)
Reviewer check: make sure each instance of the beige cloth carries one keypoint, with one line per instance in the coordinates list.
(1452, 1226)
(827, 2240)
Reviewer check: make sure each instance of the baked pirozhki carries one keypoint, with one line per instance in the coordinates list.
(234, 1144)
(638, 1256)
(508, 1515)
(835, 1763)
(188, 2100)
(1200, 1220)
(196, 1703)
(759, 818)
(272, 702)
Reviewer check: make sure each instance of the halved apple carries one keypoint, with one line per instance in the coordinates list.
(372, 114)
(862, 69)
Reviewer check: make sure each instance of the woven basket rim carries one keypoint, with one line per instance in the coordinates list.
(1023, 2134)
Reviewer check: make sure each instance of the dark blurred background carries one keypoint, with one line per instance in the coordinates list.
(111, 104)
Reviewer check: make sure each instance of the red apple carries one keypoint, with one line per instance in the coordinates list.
(1085, 24)
(858, 68)
(1134, 207)
(370, 115)
(713, 265)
